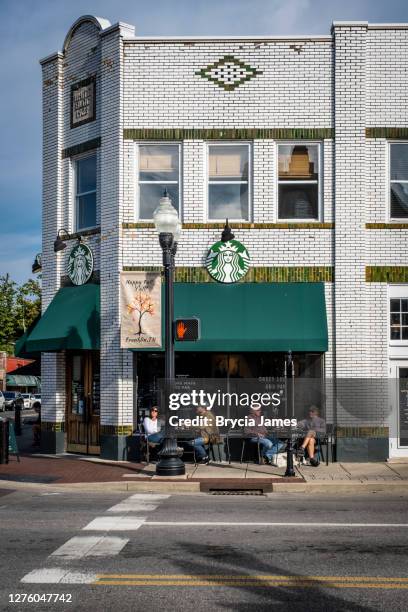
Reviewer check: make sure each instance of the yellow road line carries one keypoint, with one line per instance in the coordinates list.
(251, 577)
(253, 583)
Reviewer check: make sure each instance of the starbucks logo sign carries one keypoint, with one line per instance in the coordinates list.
(227, 262)
(80, 264)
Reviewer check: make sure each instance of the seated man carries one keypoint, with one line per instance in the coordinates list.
(312, 426)
(152, 427)
(204, 435)
(270, 444)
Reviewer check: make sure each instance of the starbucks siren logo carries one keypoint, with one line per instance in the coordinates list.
(227, 262)
(80, 264)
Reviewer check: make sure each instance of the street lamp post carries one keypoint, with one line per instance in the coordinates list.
(168, 227)
(290, 472)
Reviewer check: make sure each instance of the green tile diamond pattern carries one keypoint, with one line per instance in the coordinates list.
(228, 72)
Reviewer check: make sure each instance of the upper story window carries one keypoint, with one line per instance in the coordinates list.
(399, 318)
(298, 168)
(228, 181)
(399, 180)
(85, 192)
(159, 169)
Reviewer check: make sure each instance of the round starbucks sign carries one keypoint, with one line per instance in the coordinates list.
(227, 262)
(80, 264)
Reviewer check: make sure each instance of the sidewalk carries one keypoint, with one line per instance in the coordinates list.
(77, 470)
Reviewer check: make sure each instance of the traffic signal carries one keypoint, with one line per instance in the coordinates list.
(187, 330)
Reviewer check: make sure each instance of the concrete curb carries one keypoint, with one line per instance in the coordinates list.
(334, 487)
(189, 488)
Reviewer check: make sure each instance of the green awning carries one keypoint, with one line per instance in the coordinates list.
(71, 321)
(270, 317)
(20, 380)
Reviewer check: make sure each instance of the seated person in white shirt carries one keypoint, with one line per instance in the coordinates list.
(152, 427)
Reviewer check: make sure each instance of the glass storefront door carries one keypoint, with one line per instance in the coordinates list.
(83, 402)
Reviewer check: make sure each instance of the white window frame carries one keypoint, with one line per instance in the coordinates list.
(394, 219)
(208, 182)
(74, 162)
(319, 181)
(137, 173)
(395, 292)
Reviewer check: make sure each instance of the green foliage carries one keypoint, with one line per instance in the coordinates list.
(19, 306)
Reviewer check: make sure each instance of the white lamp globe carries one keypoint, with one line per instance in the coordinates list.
(177, 233)
(165, 216)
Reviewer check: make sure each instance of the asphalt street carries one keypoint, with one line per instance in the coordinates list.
(129, 551)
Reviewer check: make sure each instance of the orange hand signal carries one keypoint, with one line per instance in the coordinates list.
(181, 329)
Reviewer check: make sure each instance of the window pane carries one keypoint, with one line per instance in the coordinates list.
(399, 200)
(298, 201)
(404, 333)
(228, 201)
(228, 163)
(395, 305)
(405, 319)
(150, 196)
(298, 162)
(404, 305)
(86, 211)
(159, 163)
(395, 333)
(86, 174)
(395, 318)
(399, 162)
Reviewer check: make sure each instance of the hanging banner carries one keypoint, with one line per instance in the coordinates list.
(140, 307)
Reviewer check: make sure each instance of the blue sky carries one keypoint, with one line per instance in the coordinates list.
(31, 30)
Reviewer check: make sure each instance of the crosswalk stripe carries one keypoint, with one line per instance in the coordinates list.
(115, 523)
(56, 575)
(90, 546)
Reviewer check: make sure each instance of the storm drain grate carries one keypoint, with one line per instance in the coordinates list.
(235, 492)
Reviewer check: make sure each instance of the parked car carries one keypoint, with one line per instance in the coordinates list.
(2, 402)
(13, 399)
(27, 400)
(36, 401)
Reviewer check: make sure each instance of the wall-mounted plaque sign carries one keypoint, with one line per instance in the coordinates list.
(83, 102)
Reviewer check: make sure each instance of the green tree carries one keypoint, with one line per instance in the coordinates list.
(27, 306)
(7, 313)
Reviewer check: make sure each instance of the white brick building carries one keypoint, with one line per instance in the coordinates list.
(320, 116)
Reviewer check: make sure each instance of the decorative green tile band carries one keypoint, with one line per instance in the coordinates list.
(386, 132)
(89, 145)
(386, 274)
(262, 226)
(380, 226)
(227, 133)
(257, 274)
(116, 430)
(54, 427)
(362, 432)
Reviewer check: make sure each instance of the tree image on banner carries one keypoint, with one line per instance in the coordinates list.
(141, 305)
